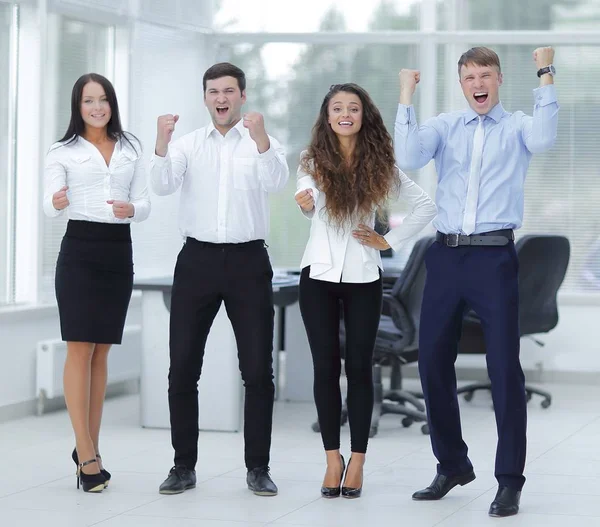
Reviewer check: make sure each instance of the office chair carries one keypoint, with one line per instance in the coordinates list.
(543, 262)
(397, 343)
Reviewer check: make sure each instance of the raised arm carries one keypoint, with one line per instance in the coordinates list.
(414, 147)
(169, 162)
(539, 132)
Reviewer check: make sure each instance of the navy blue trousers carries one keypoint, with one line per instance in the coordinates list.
(484, 279)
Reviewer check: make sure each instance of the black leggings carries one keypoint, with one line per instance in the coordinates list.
(320, 308)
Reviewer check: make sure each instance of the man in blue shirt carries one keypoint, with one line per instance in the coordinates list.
(481, 156)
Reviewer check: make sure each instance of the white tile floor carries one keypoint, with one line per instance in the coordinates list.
(37, 482)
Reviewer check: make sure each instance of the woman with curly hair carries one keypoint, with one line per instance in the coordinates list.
(345, 177)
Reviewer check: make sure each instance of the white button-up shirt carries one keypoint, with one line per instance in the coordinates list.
(80, 166)
(225, 183)
(334, 255)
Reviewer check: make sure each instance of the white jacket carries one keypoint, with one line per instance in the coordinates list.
(334, 255)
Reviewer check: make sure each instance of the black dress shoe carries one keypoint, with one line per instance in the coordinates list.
(441, 485)
(351, 492)
(105, 473)
(506, 502)
(259, 481)
(334, 492)
(90, 482)
(180, 479)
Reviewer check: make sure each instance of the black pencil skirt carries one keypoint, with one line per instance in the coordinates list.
(94, 280)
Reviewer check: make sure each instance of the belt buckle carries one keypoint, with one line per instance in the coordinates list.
(452, 240)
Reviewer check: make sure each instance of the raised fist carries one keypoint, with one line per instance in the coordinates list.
(543, 57)
(60, 200)
(164, 132)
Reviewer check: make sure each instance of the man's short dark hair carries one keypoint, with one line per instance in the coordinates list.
(480, 57)
(224, 69)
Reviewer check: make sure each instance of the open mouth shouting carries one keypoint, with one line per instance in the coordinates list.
(222, 110)
(480, 97)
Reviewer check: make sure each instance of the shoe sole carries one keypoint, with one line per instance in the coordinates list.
(96, 490)
(465, 481)
(169, 492)
(263, 493)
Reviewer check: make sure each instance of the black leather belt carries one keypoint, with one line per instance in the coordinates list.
(498, 238)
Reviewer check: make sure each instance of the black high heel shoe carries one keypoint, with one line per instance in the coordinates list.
(105, 473)
(351, 492)
(90, 482)
(334, 492)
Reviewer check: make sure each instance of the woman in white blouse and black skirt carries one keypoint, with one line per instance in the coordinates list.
(347, 175)
(96, 174)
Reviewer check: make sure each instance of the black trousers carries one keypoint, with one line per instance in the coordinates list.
(484, 279)
(320, 308)
(205, 275)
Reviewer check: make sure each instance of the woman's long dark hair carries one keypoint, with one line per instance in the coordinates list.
(353, 189)
(76, 127)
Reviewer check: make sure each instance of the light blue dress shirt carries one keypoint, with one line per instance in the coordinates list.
(510, 140)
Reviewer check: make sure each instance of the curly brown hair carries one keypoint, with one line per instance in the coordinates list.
(354, 189)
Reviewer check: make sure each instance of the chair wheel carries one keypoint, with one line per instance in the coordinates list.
(469, 396)
(546, 403)
(373, 431)
(315, 427)
(425, 429)
(407, 421)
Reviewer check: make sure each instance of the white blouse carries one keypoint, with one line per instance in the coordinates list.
(334, 255)
(80, 166)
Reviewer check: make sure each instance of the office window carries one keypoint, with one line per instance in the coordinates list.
(272, 16)
(75, 48)
(515, 15)
(6, 141)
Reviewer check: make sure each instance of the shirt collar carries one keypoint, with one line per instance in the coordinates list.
(496, 113)
(210, 129)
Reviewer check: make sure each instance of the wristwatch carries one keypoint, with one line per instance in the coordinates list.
(548, 69)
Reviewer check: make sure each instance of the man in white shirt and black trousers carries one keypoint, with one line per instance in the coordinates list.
(226, 171)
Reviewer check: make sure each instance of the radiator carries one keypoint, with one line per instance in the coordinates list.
(123, 365)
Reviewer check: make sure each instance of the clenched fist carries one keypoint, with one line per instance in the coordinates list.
(543, 57)
(122, 209)
(164, 131)
(305, 200)
(60, 200)
(255, 124)
(408, 84)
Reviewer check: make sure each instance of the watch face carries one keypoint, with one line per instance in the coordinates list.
(552, 70)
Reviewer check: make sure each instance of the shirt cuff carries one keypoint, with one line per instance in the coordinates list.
(267, 155)
(545, 95)
(406, 114)
(158, 160)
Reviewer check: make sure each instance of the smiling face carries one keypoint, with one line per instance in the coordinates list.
(95, 108)
(480, 86)
(224, 101)
(345, 113)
